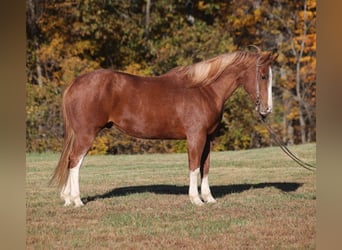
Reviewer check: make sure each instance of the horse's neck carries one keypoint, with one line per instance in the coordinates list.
(224, 87)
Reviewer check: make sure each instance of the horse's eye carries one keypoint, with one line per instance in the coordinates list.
(263, 77)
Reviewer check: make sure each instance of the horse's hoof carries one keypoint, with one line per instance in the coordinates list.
(67, 203)
(196, 201)
(208, 198)
(78, 202)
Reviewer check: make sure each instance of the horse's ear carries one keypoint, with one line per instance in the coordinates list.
(270, 56)
(266, 57)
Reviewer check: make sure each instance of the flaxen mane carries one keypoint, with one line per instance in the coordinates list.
(205, 72)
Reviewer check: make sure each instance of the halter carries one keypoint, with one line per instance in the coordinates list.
(257, 101)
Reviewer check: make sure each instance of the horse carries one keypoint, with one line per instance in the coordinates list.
(185, 103)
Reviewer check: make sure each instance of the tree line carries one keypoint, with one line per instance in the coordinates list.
(150, 37)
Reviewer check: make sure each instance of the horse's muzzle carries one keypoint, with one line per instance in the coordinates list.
(264, 111)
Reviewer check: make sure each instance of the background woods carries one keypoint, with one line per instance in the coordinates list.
(68, 38)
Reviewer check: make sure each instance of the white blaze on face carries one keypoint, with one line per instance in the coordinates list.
(269, 100)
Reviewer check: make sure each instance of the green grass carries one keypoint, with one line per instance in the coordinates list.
(264, 201)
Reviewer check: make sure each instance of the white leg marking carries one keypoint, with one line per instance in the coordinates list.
(74, 184)
(75, 187)
(65, 193)
(205, 191)
(269, 100)
(193, 188)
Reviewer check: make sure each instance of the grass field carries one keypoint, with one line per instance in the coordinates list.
(264, 201)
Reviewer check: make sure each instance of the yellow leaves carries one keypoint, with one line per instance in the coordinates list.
(68, 57)
(257, 14)
(288, 84)
(80, 28)
(261, 130)
(75, 66)
(308, 71)
(137, 69)
(247, 19)
(311, 4)
(31, 110)
(99, 146)
(237, 22)
(306, 59)
(309, 41)
(80, 46)
(48, 23)
(293, 114)
(281, 57)
(306, 15)
(202, 6)
(51, 50)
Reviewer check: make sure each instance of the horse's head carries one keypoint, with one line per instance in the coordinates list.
(258, 82)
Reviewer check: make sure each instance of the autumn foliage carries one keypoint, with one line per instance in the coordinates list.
(68, 38)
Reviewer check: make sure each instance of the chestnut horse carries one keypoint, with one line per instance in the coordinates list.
(185, 103)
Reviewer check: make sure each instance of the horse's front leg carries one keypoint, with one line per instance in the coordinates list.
(205, 165)
(205, 190)
(195, 145)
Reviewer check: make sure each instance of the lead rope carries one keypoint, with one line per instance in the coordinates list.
(285, 149)
(257, 102)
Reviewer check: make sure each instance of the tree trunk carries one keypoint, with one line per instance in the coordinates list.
(38, 67)
(298, 81)
(32, 19)
(147, 18)
(299, 100)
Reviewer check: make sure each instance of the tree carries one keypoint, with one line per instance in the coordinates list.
(297, 46)
(68, 38)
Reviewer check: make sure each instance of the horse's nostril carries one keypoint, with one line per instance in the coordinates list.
(263, 116)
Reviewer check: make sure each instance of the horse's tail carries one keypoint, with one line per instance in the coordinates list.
(61, 172)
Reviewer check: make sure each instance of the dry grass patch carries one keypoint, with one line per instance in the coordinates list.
(265, 201)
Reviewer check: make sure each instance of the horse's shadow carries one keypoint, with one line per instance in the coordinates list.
(217, 191)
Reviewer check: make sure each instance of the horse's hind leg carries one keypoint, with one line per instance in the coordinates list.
(71, 190)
